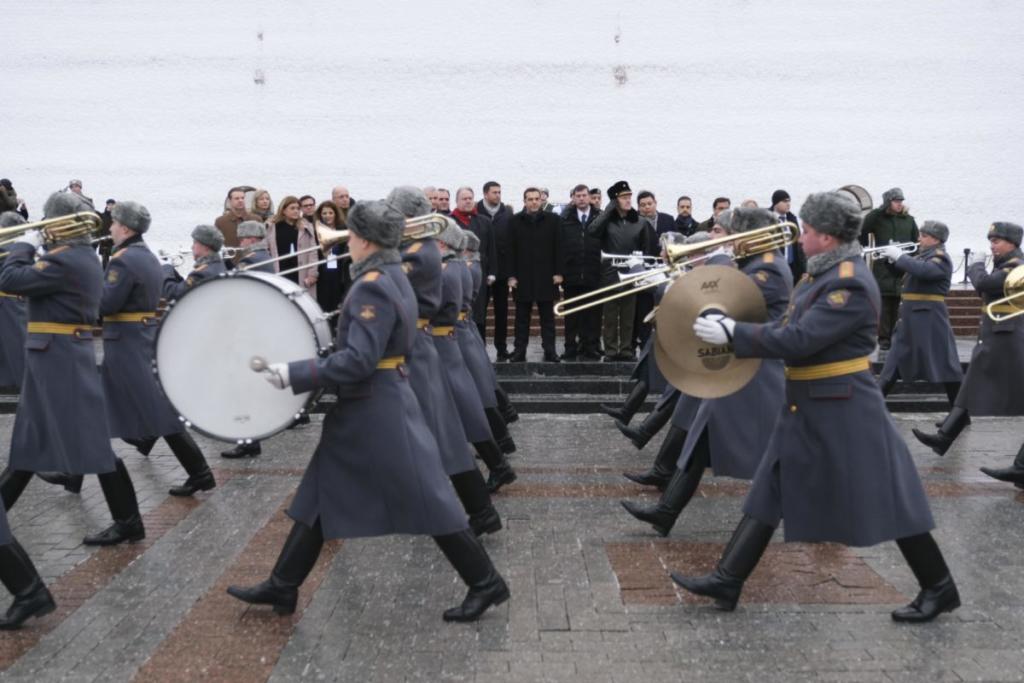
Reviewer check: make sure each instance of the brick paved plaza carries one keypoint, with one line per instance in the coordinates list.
(591, 597)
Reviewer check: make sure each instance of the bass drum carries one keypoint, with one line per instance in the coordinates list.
(208, 338)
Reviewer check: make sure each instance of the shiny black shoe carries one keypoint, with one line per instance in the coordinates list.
(613, 411)
(283, 598)
(143, 446)
(243, 450)
(551, 357)
(638, 436)
(930, 603)
(130, 530)
(203, 481)
(499, 477)
(1011, 475)
(478, 600)
(72, 483)
(723, 589)
(517, 357)
(34, 602)
(661, 520)
(19, 576)
(502, 355)
(487, 521)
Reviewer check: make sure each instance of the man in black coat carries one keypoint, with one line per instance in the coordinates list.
(500, 214)
(581, 269)
(794, 253)
(535, 274)
(685, 222)
(659, 223)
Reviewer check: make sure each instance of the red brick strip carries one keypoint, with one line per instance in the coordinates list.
(791, 573)
(222, 639)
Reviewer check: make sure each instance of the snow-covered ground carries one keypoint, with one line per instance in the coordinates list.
(159, 101)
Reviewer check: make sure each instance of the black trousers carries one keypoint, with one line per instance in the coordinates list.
(888, 316)
(547, 325)
(498, 292)
(642, 330)
(583, 329)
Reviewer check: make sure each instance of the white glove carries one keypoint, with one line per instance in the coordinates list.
(891, 252)
(977, 257)
(32, 237)
(491, 279)
(277, 374)
(714, 328)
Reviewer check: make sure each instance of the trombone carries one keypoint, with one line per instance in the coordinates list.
(637, 258)
(55, 229)
(1010, 306)
(680, 257)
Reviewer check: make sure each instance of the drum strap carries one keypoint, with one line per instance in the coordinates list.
(825, 370)
(390, 363)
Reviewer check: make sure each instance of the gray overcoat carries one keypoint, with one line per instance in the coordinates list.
(136, 406)
(376, 469)
(825, 472)
(257, 261)
(470, 344)
(206, 268)
(12, 339)
(61, 422)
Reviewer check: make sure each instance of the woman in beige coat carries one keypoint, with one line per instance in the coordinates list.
(289, 232)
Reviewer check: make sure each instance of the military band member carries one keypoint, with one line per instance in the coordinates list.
(61, 422)
(376, 470)
(1014, 474)
(923, 346)
(474, 420)
(831, 479)
(996, 373)
(729, 434)
(12, 324)
(207, 242)
(421, 262)
(252, 238)
(20, 578)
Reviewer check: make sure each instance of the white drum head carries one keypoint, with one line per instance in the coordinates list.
(207, 340)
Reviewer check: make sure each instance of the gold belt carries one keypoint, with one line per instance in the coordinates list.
(826, 370)
(131, 317)
(1001, 308)
(924, 297)
(421, 323)
(442, 331)
(59, 328)
(10, 296)
(390, 363)
(463, 315)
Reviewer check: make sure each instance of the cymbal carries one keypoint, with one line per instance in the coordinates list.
(690, 364)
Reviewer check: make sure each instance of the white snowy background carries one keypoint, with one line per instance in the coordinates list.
(158, 101)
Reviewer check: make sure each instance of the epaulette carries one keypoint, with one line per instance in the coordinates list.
(51, 252)
(846, 269)
(372, 276)
(201, 268)
(414, 248)
(769, 257)
(939, 252)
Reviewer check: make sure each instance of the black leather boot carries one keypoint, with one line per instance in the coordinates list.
(12, 485)
(470, 560)
(938, 592)
(508, 411)
(72, 483)
(664, 463)
(886, 386)
(298, 556)
(143, 446)
(243, 450)
(124, 508)
(500, 431)
(950, 429)
(1013, 474)
(952, 390)
(187, 451)
(744, 551)
(677, 494)
(476, 501)
(624, 413)
(19, 576)
(652, 424)
(500, 472)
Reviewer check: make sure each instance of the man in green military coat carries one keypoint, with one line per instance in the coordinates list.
(890, 223)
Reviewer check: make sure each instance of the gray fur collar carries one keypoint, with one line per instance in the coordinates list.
(375, 260)
(819, 263)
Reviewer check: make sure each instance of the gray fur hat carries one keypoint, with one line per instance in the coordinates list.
(699, 236)
(745, 220)
(209, 236)
(1011, 232)
(472, 241)
(891, 195)
(252, 229)
(8, 219)
(936, 229)
(724, 219)
(833, 214)
(64, 204)
(378, 222)
(409, 200)
(131, 215)
(452, 235)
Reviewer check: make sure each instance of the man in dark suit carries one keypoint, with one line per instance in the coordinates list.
(581, 268)
(794, 254)
(500, 214)
(658, 224)
(647, 205)
(535, 274)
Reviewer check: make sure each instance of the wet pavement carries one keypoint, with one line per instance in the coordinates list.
(591, 596)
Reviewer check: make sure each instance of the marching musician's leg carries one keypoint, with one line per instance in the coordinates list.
(938, 592)
(508, 411)
(500, 431)
(143, 446)
(476, 501)
(187, 451)
(886, 385)
(243, 450)
(951, 427)
(471, 561)
(298, 556)
(665, 462)
(625, 412)
(124, 508)
(952, 389)
(1013, 474)
(500, 471)
(639, 436)
(738, 561)
(12, 484)
(19, 576)
(72, 483)
(677, 494)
